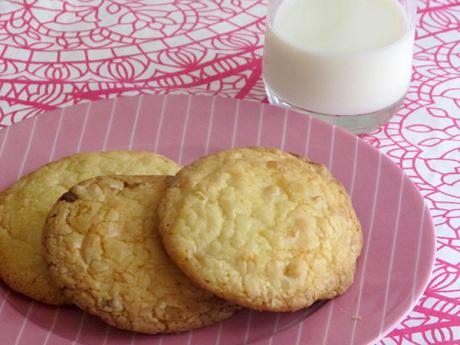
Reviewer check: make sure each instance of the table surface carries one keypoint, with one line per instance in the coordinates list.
(55, 54)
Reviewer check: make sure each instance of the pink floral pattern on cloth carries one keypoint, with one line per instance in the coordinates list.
(59, 53)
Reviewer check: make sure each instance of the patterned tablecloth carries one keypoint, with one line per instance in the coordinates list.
(59, 53)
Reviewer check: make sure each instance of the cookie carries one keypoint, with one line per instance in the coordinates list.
(25, 205)
(261, 228)
(104, 250)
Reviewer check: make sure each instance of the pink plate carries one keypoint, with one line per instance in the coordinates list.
(399, 239)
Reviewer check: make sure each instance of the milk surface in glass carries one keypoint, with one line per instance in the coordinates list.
(340, 57)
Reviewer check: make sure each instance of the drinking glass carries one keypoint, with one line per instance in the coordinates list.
(348, 62)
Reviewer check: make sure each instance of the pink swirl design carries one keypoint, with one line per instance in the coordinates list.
(55, 54)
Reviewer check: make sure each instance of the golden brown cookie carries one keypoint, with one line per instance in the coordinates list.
(261, 228)
(103, 249)
(25, 205)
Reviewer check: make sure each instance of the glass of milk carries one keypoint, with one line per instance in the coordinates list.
(348, 62)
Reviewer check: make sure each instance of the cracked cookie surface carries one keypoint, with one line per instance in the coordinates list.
(104, 250)
(261, 228)
(25, 205)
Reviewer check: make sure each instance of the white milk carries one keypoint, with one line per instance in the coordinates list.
(343, 57)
